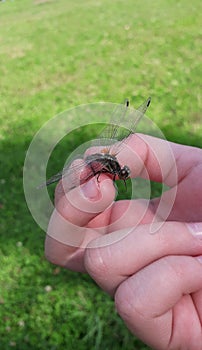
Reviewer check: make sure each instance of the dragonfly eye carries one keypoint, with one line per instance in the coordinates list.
(125, 172)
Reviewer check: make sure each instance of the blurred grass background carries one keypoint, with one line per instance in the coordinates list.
(56, 55)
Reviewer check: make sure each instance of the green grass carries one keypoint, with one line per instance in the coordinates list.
(54, 56)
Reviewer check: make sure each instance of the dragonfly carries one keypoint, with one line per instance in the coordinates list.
(105, 161)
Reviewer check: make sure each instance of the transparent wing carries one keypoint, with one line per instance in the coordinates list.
(75, 175)
(122, 115)
(111, 133)
(52, 179)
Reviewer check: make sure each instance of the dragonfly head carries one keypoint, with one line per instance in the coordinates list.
(124, 173)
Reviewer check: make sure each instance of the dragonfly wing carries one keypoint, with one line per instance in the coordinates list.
(110, 131)
(75, 175)
(50, 181)
(54, 178)
(130, 119)
(139, 114)
(66, 172)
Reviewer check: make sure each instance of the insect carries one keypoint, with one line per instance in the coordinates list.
(106, 160)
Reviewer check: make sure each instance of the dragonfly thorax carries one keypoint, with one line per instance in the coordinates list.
(107, 163)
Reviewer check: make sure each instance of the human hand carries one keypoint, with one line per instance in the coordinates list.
(154, 278)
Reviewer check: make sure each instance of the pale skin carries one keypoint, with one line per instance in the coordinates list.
(155, 279)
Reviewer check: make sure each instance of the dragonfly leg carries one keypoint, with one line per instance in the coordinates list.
(125, 184)
(102, 172)
(98, 175)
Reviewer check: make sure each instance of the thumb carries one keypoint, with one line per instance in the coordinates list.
(68, 232)
(82, 204)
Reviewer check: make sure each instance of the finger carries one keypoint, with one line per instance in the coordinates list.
(175, 165)
(156, 158)
(130, 214)
(162, 158)
(110, 259)
(197, 299)
(185, 200)
(146, 156)
(156, 303)
(67, 234)
(83, 203)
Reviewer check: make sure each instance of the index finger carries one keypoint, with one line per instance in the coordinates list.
(146, 156)
(174, 165)
(162, 160)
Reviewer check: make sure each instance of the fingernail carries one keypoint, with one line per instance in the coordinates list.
(90, 189)
(195, 228)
